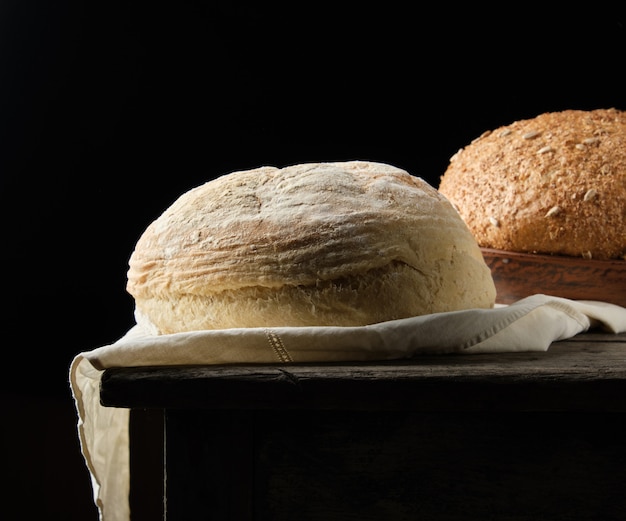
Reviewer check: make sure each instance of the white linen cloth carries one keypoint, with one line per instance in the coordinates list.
(530, 324)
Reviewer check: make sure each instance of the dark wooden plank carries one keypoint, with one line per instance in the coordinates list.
(210, 465)
(597, 336)
(571, 375)
(147, 464)
(395, 466)
(514, 437)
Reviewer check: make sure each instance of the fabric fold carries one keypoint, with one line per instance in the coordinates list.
(530, 324)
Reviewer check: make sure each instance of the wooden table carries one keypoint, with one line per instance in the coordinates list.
(515, 436)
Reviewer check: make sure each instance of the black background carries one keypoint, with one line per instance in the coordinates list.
(110, 110)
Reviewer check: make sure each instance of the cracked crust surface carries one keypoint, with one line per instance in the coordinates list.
(347, 243)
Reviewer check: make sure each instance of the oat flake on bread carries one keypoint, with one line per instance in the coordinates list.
(554, 184)
(344, 243)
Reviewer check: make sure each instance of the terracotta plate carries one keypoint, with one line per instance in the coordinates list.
(518, 275)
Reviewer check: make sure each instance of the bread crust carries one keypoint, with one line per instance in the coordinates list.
(317, 239)
(553, 184)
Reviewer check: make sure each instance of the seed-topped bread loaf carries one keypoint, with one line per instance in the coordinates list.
(554, 184)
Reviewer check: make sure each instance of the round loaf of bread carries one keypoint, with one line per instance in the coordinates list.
(554, 184)
(343, 244)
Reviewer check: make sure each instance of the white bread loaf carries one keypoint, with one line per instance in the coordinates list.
(343, 244)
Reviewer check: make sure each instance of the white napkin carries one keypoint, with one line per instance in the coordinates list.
(530, 324)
